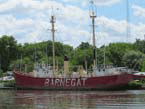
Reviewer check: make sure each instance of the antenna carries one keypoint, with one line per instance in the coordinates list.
(127, 20)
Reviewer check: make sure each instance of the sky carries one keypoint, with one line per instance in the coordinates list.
(29, 20)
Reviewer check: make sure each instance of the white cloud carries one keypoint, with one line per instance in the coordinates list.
(23, 23)
(10, 25)
(117, 30)
(138, 11)
(72, 24)
(73, 13)
(118, 26)
(106, 2)
(101, 2)
(70, 0)
(7, 5)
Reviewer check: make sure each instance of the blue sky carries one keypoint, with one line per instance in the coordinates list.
(29, 20)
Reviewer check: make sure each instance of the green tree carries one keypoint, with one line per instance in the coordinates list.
(22, 63)
(8, 51)
(79, 56)
(133, 59)
(140, 45)
(116, 52)
(143, 66)
(85, 45)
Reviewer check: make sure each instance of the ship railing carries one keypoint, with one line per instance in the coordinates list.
(46, 70)
(102, 66)
(102, 70)
(24, 68)
(30, 67)
(110, 66)
(72, 71)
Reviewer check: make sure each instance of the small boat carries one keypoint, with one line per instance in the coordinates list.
(138, 75)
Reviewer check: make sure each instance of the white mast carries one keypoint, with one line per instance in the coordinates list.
(21, 63)
(52, 21)
(35, 55)
(53, 36)
(104, 56)
(46, 55)
(93, 16)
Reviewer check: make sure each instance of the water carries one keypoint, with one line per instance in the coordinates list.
(44, 99)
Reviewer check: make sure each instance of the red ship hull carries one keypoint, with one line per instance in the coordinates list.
(25, 81)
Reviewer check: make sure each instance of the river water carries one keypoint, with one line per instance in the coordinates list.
(44, 99)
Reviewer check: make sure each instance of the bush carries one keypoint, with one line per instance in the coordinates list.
(135, 83)
(142, 81)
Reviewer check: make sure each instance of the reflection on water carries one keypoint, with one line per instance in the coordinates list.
(43, 99)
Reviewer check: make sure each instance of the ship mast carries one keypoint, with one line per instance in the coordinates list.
(93, 16)
(53, 35)
(104, 56)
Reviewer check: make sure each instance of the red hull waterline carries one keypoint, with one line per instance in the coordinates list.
(24, 81)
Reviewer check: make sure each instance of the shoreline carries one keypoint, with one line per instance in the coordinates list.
(13, 88)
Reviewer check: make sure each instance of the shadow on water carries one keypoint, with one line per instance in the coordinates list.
(43, 99)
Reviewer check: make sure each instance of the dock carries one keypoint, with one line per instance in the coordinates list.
(6, 86)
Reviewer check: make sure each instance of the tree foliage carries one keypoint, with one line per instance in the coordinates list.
(133, 59)
(85, 45)
(139, 45)
(119, 54)
(8, 51)
(116, 51)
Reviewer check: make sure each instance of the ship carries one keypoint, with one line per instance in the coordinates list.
(25, 81)
(45, 76)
